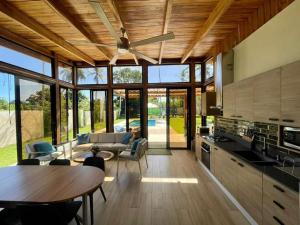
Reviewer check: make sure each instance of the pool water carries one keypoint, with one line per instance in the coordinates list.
(136, 123)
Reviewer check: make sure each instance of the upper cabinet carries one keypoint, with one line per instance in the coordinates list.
(244, 99)
(290, 94)
(266, 97)
(271, 97)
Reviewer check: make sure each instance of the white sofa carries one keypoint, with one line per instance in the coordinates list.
(106, 141)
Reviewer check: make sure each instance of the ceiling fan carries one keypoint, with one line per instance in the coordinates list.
(123, 44)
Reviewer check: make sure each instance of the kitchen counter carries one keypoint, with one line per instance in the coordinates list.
(282, 175)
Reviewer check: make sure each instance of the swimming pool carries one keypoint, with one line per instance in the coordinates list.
(136, 123)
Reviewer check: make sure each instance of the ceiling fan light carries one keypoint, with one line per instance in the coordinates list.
(122, 50)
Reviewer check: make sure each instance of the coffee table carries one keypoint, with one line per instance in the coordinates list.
(106, 155)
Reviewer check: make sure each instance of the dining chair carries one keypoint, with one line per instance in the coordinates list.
(9, 216)
(58, 214)
(32, 162)
(140, 151)
(60, 162)
(99, 163)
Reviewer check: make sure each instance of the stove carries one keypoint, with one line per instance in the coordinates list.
(216, 138)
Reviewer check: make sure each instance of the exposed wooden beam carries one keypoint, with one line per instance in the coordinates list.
(72, 20)
(212, 19)
(168, 13)
(31, 24)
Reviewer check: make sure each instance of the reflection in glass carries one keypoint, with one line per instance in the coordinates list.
(119, 104)
(84, 111)
(8, 147)
(168, 73)
(65, 72)
(34, 62)
(134, 111)
(209, 69)
(198, 72)
(99, 111)
(157, 119)
(178, 118)
(35, 112)
(95, 75)
(127, 74)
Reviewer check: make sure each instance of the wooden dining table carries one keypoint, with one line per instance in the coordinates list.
(48, 184)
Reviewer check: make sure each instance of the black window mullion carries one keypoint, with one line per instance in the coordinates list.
(92, 110)
(126, 110)
(18, 118)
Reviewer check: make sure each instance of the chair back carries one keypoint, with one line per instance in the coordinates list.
(95, 161)
(30, 149)
(31, 162)
(60, 162)
(141, 148)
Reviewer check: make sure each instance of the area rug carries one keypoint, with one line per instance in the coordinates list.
(159, 152)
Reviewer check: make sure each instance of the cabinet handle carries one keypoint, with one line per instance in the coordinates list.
(241, 165)
(278, 204)
(232, 116)
(239, 116)
(288, 121)
(233, 159)
(278, 188)
(278, 220)
(273, 119)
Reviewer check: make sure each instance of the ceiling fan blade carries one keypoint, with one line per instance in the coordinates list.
(114, 60)
(135, 59)
(90, 43)
(159, 38)
(101, 14)
(140, 55)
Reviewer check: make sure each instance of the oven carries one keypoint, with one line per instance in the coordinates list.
(205, 154)
(290, 137)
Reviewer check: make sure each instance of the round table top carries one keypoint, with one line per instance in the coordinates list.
(104, 154)
(47, 184)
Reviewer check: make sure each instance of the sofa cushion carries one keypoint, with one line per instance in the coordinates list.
(83, 147)
(83, 138)
(119, 136)
(126, 138)
(135, 145)
(106, 138)
(94, 138)
(44, 147)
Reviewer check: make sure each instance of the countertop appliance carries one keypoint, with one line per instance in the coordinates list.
(290, 137)
(205, 154)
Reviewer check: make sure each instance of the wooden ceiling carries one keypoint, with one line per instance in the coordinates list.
(201, 27)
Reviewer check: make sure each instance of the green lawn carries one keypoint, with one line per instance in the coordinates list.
(8, 155)
(177, 123)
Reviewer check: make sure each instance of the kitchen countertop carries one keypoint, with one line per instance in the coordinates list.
(280, 174)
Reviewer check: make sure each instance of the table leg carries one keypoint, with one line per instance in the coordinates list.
(71, 150)
(84, 210)
(118, 164)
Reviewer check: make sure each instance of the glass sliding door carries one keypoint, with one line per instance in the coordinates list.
(8, 139)
(66, 114)
(99, 112)
(157, 118)
(84, 111)
(178, 118)
(35, 106)
(119, 104)
(134, 111)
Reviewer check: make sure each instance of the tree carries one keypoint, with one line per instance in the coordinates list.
(127, 75)
(184, 75)
(97, 74)
(65, 73)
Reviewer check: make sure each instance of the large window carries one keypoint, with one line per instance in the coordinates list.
(66, 114)
(65, 72)
(119, 103)
(34, 62)
(127, 74)
(35, 112)
(84, 111)
(209, 69)
(198, 73)
(8, 147)
(94, 75)
(168, 73)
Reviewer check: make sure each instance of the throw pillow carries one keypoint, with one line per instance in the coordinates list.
(134, 146)
(126, 138)
(83, 138)
(44, 147)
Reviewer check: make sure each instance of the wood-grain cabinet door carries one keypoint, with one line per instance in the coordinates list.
(218, 163)
(229, 101)
(267, 97)
(290, 94)
(244, 99)
(250, 190)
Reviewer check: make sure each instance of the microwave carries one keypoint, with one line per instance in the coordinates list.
(290, 137)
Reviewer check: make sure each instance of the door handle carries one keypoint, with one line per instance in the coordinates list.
(288, 121)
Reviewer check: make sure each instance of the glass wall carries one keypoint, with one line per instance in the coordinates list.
(168, 73)
(198, 73)
(35, 112)
(34, 62)
(99, 98)
(95, 75)
(84, 111)
(198, 107)
(119, 104)
(65, 72)
(209, 69)
(66, 114)
(127, 74)
(134, 111)
(8, 140)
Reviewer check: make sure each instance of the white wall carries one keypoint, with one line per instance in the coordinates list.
(274, 44)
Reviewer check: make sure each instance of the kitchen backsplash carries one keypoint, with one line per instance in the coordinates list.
(267, 131)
